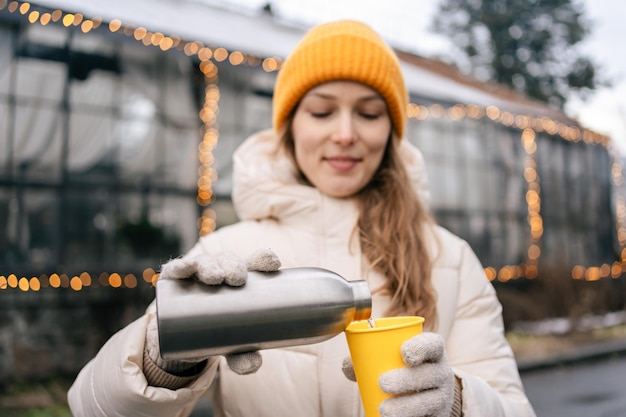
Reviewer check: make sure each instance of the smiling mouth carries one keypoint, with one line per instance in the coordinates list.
(342, 164)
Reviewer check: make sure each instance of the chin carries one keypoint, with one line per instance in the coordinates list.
(341, 192)
(339, 187)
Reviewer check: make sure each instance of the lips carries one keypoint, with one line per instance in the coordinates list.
(342, 163)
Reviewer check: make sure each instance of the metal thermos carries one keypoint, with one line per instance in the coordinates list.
(290, 307)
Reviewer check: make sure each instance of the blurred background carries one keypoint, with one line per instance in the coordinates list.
(118, 121)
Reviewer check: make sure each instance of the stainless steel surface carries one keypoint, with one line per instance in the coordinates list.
(293, 306)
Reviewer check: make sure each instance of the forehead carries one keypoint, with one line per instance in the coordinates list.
(340, 88)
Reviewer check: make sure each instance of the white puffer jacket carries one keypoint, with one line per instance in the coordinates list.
(306, 228)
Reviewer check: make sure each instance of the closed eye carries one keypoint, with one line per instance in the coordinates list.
(320, 115)
(370, 116)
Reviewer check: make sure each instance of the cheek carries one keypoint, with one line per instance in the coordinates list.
(375, 137)
(374, 163)
(378, 146)
(305, 144)
(304, 153)
(298, 152)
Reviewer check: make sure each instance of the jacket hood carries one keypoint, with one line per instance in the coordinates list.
(265, 180)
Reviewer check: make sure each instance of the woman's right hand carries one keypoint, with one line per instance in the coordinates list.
(221, 268)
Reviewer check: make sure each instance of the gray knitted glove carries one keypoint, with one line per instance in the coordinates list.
(427, 384)
(222, 268)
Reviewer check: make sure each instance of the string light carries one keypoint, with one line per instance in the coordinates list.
(76, 282)
(206, 174)
(140, 34)
(530, 126)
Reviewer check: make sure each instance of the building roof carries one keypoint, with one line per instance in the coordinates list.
(432, 78)
(253, 33)
(263, 35)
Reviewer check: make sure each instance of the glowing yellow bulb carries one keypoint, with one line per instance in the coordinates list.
(190, 48)
(270, 64)
(492, 112)
(456, 112)
(507, 118)
(531, 271)
(156, 38)
(616, 270)
(166, 43)
(68, 20)
(220, 54)
(236, 58)
(24, 8)
(204, 54)
(45, 19)
(115, 25)
(76, 284)
(12, 281)
(33, 16)
(130, 281)
(533, 252)
(490, 273)
(592, 273)
(521, 122)
(115, 280)
(86, 26)
(85, 278)
(147, 274)
(139, 33)
(504, 275)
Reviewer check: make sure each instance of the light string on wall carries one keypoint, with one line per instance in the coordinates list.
(36, 15)
(76, 282)
(529, 127)
(206, 173)
(207, 55)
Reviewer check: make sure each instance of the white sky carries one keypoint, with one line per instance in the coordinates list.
(605, 112)
(405, 23)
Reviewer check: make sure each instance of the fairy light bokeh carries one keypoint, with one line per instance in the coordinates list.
(209, 55)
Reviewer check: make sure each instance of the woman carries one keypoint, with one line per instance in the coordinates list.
(333, 185)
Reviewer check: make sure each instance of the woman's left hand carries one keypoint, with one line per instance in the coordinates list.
(426, 386)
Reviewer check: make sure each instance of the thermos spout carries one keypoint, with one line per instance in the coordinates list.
(362, 300)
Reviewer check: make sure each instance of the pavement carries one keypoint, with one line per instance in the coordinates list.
(590, 352)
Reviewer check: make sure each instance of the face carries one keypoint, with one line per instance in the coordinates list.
(340, 131)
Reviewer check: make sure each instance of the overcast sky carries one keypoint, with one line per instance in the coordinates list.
(606, 111)
(405, 23)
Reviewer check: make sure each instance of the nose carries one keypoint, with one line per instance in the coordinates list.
(344, 131)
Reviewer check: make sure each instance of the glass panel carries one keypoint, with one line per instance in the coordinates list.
(245, 109)
(104, 161)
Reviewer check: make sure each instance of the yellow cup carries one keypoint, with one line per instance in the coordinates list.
(376, 350)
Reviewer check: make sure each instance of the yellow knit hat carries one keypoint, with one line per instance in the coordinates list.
(342, 50)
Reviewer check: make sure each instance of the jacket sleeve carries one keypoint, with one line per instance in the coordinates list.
(479, 351)
(112, 384)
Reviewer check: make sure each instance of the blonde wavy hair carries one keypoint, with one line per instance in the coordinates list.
(394, 227)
